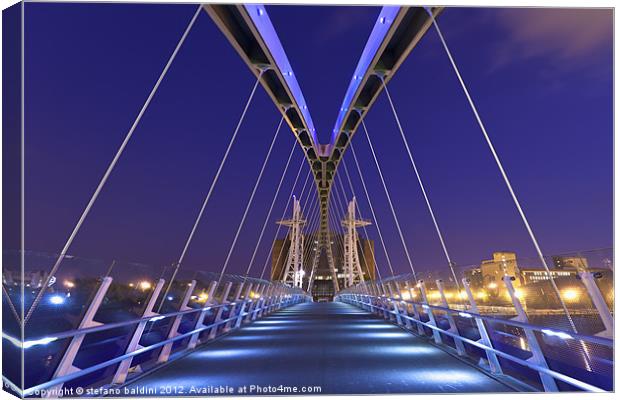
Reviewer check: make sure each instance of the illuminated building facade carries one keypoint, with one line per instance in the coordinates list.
(322, 287)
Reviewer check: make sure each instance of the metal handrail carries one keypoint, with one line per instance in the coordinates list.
(74, 375)
(541, 369)
(577, 336)
(114, 325)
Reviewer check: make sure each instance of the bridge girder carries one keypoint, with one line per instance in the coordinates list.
(395, 34)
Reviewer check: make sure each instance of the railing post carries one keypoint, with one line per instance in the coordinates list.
(266, 301)
(403, 307)
(429, 311)
(193, 341)
(372, 301)
(256, 303)
(66, 364)
(492, 360)
(246, 300)
(458, 343)
(134, 343)
(259, 303)
(383, 302)
(174, 328)
(395, 303)
(234, 306)
(416, 313)
(532, 341)
(599, 303)
(220, 311)
(271, 300)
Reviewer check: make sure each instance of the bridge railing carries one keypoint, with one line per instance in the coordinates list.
(100, 324)
(512, 321)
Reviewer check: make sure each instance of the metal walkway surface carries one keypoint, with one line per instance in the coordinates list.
(333, 346)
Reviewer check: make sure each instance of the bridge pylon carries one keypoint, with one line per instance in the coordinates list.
(294, 270)
(353, 273)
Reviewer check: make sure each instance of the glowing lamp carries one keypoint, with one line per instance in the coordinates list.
(57, 300)
(570, 294)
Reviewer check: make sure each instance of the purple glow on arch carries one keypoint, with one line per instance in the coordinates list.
(259, 16)
(382, 26)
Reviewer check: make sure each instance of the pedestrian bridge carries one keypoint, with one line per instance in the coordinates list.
(330, 348)
(273, 339)
(75, 327)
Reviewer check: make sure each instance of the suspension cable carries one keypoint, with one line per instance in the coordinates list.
(283, 215)
(273, 202)
(387, 194)
(247, 207)
(211, 188)
(110, 168)
(502, 171)
(311, 234)
(313, 218)
(372, 250)
(422, 188)
(344, 193)
(372, 210)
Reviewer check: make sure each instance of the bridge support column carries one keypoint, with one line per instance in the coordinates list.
(429, 311)
(532, 341)
(123, 368)
(460, 349)
(294, 270)
(66, 363)
(174, 327)
(193, 341)
(493, 362)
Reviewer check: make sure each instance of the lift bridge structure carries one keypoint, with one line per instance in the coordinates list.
(413, 333)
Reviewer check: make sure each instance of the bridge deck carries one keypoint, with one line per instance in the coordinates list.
(332, 345)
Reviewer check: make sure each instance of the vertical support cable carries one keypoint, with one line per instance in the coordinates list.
(273, 202)
(107, 173)
(283, 215)
(422, 188)
(344, 194)
(247, 207)
(372, 250)
(372, 210)
(387, 194)
(502, 171)
(210, 192)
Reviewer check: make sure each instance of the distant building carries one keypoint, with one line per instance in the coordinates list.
(502, 263)
(533, 275)
(322, 285)
(575, 263)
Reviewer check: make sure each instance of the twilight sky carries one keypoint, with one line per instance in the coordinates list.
(542, 80)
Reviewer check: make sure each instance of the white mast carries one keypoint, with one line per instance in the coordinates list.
(294, 269)
(352, 269)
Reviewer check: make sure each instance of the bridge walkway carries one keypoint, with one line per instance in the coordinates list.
(335, 346)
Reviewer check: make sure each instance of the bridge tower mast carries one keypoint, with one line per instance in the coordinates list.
(353, 273)
(294, 270)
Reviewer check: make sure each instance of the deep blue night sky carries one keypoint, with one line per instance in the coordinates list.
(542, 80)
